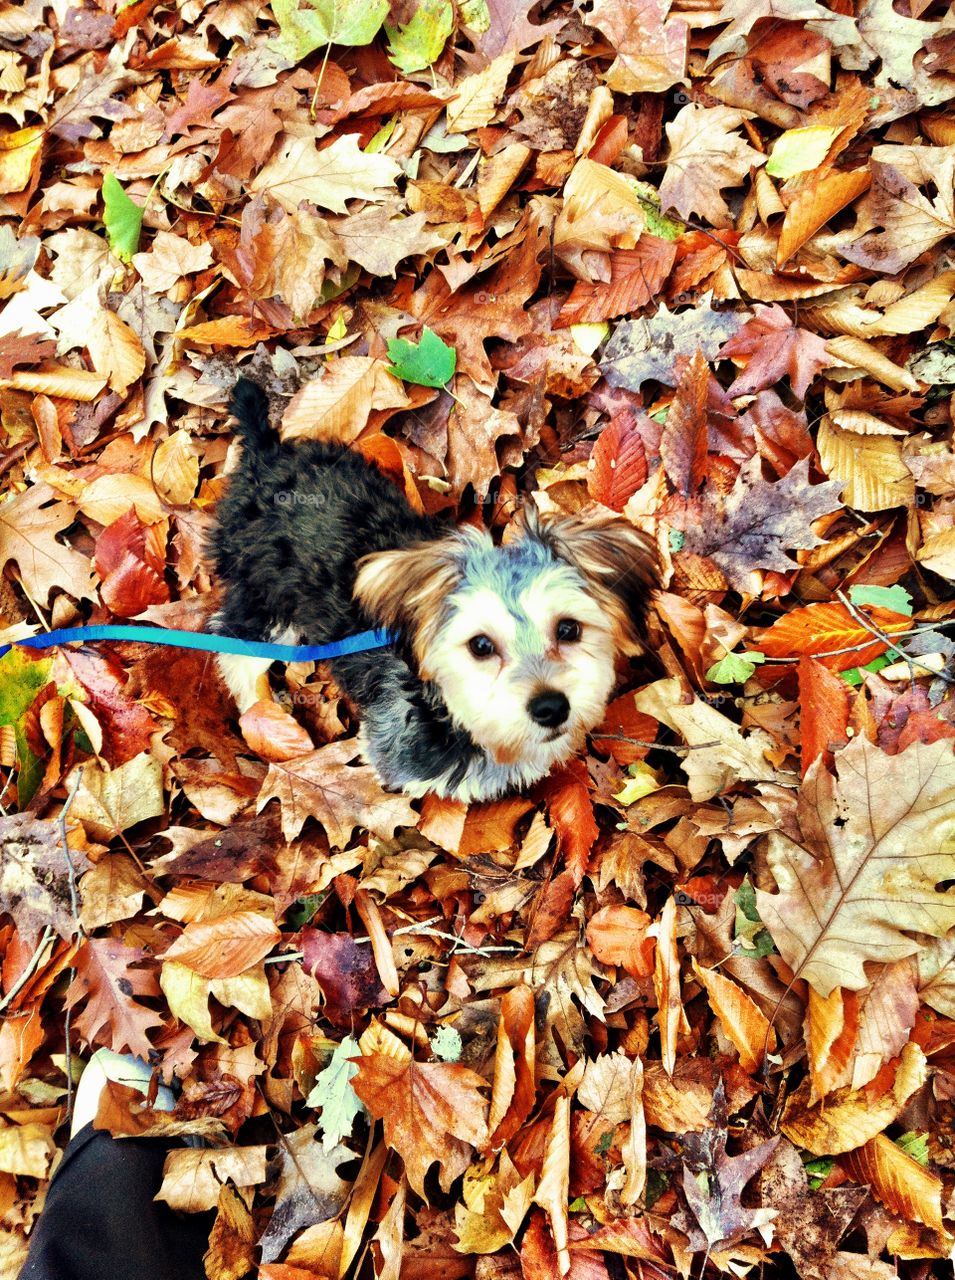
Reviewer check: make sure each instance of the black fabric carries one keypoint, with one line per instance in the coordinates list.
(100, 1221)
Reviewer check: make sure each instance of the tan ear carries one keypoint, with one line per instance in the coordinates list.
(407, 587)
(620, 564)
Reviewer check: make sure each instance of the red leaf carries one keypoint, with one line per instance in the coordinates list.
(618, 463)
(636, 278)
(771, 348)
(824, 712)
(684, 440)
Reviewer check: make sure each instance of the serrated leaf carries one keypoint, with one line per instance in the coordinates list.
(430, 363)
(333, 1093)
(123, 219)
(415, 46)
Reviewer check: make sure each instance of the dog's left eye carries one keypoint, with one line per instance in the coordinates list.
(482, 646)
(568, 631)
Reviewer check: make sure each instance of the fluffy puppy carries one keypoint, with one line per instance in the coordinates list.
(504, 656)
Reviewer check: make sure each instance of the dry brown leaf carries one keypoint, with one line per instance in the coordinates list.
(741, 1020)
(898, 1181)
(115, 351)
(873, 843)
(336, 406)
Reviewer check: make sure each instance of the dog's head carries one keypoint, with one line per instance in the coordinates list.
(520, 639)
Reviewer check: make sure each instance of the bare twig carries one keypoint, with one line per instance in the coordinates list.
(80, 932)
(49, 933)
(886, 639)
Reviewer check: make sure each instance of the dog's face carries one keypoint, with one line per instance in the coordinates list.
(521, 640)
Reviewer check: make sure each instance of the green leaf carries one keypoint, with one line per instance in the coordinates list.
(447, 1044)
(415, 46)
(735, 668)
(749, 933)
(123, 219)
(429, 364)
(914, 1144)
(333, 1092)
(21, 679)
(324, 22)
(817, 1171)
(855, 675)
(475, 15)
(657, 225)
(676, 538)
(895, 598)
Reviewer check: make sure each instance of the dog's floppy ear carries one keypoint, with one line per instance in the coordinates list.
(619, 562)
(405, 588)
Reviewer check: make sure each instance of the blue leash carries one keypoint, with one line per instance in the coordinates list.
(360, 643)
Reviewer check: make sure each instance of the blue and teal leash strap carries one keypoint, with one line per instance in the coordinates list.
(363, 642)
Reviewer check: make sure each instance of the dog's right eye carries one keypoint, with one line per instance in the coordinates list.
(482, 646)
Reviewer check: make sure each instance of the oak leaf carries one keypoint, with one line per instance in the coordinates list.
(760, 520)
(323, 785)
(874, 842)
(705, 156)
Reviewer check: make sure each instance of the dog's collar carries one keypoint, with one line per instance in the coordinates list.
(360, 643)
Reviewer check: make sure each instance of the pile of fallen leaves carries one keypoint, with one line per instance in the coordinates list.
(689, 1006)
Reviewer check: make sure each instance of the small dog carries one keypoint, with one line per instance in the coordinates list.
(504, 656)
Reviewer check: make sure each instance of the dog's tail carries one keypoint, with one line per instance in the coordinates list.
(250, 406)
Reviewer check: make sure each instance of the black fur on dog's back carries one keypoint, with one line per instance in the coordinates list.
(294, 520)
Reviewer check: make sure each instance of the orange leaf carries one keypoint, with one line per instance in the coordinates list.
(900, 1182)
(272, 733)
(683, 444)
(512, 1098)
(226, 946)
(572, 816)
(832, 1025)
(431, 1111)
(742, 1021)
(830, 633)
(618, 935)
(618, 463)
(636, 277)
(824, 712)
(623, 720)
(229, 331)
(815, 204)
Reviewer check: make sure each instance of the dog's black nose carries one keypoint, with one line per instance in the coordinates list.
(549, 708)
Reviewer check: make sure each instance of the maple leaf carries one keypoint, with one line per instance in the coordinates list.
(775, 347)
(910, 223)
(651, 50)
(329, 178)
(760, 520)
(378, 240)
(648, 348)
(862, 873)
(705, 156)
(29, 523)
(432, 1111)
(107, 978)
(341, 796)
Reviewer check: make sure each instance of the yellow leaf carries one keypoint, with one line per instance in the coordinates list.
(57, 380)
(115, 350)
(938, 554)
(188, 998)
(193, 1179)
(870, 467)
(600, 211)
(863, 355)
(742, 1021)
(26, 1150)
(554, 1185)
(174, 468)
(110, 800)
(477, 96)
(108, 497)
(18, 151)
(848, 1118)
